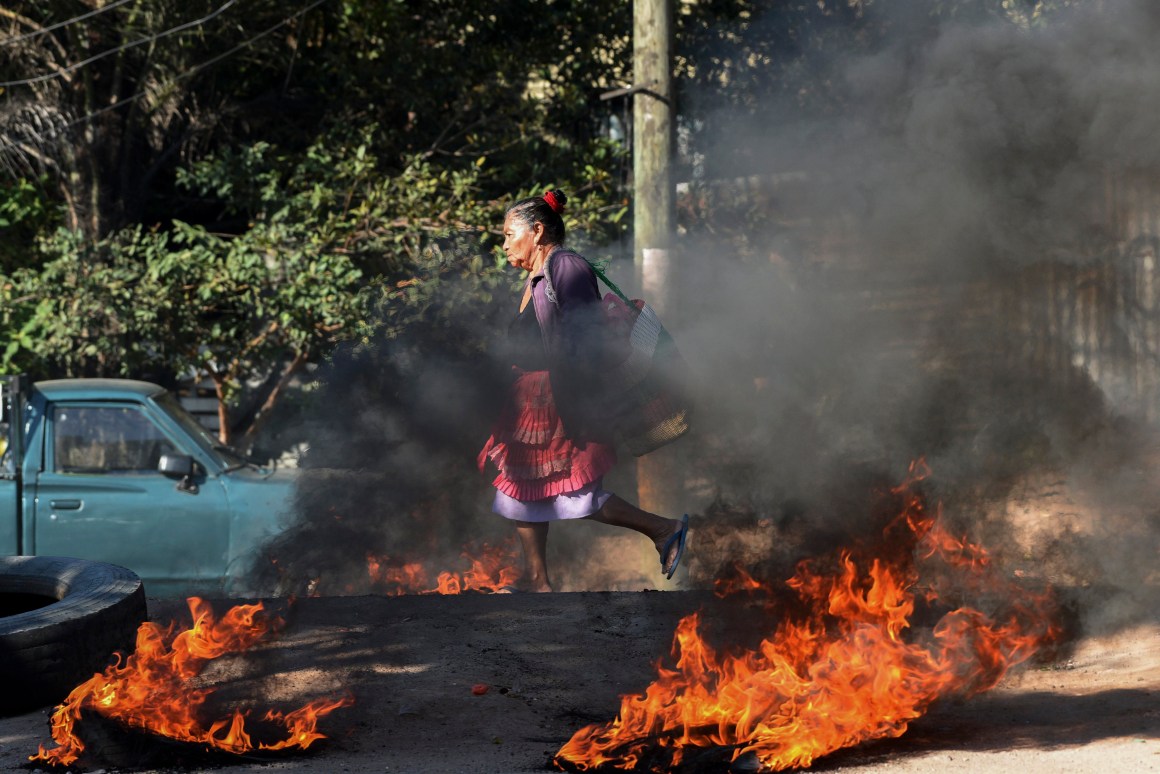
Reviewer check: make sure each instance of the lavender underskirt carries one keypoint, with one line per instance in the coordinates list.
(571, 505)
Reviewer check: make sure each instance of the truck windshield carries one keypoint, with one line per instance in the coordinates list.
(229, 458)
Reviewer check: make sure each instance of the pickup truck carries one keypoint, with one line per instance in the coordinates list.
(116, 470)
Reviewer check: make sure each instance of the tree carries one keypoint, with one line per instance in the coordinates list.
(104, 102)
(161, 133)
(283, 301)
(24, 214)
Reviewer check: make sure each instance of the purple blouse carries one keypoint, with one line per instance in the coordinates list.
(571, 324)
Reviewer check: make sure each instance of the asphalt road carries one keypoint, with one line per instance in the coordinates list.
(553, 663)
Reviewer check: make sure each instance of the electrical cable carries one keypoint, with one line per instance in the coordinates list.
(181, 76)
(65, 23)
(139, 42)
(193, 71)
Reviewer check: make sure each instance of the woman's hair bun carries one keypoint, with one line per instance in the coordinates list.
(556, 200)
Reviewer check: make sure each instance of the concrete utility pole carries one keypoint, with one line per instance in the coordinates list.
(653, 207)
(652, 142)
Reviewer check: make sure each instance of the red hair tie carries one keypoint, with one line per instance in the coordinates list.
(550, 198)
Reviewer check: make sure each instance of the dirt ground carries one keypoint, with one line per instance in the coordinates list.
(553, 663)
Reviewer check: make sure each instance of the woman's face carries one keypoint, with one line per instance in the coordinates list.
(520, 242)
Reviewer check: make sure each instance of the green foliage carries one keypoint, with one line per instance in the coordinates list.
(233, 306)
(71, 312)
(24, 212)
(332, 249)
(105, 107)
(252, 187)
(411, 228)
(184, 301)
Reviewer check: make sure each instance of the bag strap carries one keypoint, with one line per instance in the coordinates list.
(611, 285)
(550, 290)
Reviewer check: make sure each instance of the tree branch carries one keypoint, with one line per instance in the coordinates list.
(262, 416)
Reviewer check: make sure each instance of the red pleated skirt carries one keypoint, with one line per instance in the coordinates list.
(536, 460)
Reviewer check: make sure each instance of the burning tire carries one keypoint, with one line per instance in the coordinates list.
(60, 621)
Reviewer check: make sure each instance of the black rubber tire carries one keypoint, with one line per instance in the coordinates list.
(46, 652)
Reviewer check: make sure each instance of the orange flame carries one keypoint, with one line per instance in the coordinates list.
(737, 582)
(493, 568)
(150, 689)
(845, 673)
(396, 580)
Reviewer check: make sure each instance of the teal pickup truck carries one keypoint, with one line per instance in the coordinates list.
(118, 471)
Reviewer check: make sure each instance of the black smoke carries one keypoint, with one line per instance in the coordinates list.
(958, 266)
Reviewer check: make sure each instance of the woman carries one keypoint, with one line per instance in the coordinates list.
(549, 444)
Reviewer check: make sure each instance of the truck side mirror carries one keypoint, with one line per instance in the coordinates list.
(179, 465)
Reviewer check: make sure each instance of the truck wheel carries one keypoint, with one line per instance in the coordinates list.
(60, 622)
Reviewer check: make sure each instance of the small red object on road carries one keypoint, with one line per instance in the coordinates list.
(479, 689)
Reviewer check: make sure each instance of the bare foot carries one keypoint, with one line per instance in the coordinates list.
(537, 583)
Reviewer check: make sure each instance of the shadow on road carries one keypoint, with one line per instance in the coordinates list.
(1002, 721)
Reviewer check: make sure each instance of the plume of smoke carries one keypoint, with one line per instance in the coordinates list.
(390, 476)
(390, 471)
(896, 305)
(902, 302)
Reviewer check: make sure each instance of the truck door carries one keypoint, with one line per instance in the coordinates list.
(100, 496)
(11, 435)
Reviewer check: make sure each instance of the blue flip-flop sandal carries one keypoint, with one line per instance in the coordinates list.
(679, 539)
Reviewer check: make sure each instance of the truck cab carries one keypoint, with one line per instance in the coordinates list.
(118, 471)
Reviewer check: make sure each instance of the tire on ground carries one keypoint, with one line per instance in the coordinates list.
(46, 652)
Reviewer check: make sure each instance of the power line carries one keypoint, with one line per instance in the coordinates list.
(125, 47)
(6, 143)
(65, 23)
(195, 70)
